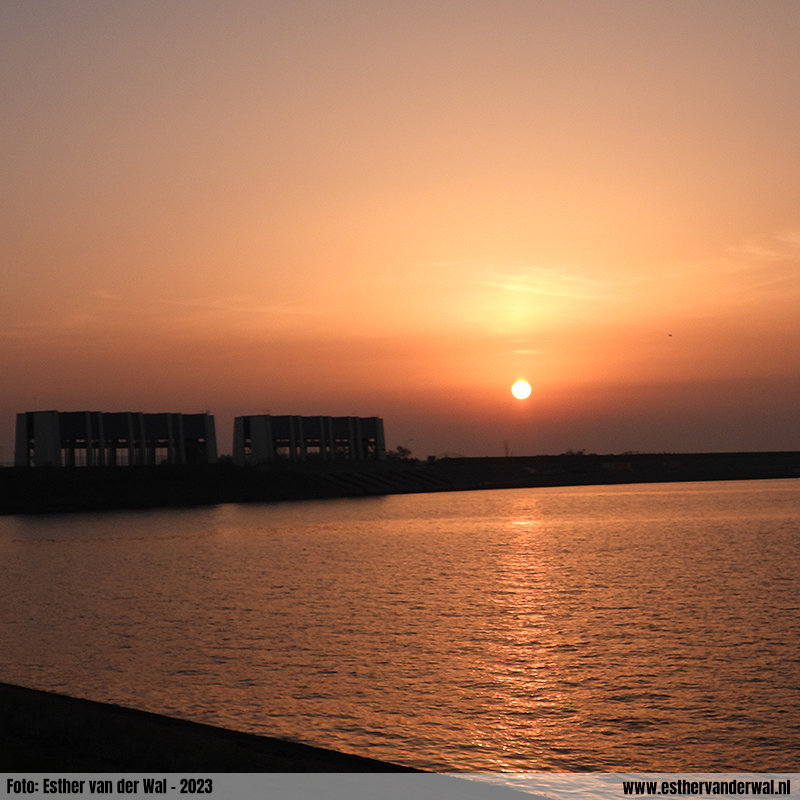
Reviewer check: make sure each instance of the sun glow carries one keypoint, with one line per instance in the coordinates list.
(521, 390)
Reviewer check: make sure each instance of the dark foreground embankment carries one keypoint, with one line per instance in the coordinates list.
(46, 489)
(45, 732)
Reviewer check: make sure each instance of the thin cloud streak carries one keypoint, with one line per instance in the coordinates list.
(411, 205)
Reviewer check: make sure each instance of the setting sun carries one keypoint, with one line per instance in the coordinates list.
(521, 390)
(201, 188)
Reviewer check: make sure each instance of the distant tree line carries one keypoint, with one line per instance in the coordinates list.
(400, 453)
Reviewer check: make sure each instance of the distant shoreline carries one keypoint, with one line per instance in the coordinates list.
(63, 489)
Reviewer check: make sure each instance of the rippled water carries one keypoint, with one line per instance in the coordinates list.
(619, 628)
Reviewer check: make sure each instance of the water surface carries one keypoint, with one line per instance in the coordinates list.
(617, 628)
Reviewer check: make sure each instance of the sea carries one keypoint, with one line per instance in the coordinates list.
(627, 628)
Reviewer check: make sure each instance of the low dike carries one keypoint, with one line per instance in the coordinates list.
(43, 489)
(47, 732)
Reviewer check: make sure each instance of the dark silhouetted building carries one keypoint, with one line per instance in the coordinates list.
(97, 439)
(261, 438)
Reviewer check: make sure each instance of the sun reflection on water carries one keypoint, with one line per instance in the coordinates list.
(566, 629)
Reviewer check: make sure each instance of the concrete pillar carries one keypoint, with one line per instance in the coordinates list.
(211, 440)
(170, 440)
(22, 443)
(326, 441)
(46, 439)
(101, 440)
(326, 425)
(138, 443)
(133, 441)
(262, 445)
(381, 441)
(180, 439)
(238, 441)
(293, 454)
(358, 442)
(375, 426)
(301, 439)
(87, 424)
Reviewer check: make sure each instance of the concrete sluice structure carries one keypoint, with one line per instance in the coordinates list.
(95, 438)
(264, 438)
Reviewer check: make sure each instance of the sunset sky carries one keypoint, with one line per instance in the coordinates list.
(401, 208)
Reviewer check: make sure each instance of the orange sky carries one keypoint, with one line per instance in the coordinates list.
(399, 209)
